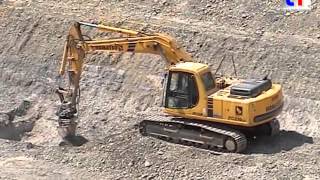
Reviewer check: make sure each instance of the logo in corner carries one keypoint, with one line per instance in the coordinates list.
(297, 5)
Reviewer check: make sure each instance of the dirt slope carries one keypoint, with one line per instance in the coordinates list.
(117, 91)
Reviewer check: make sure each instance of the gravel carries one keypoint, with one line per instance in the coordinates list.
(118, 90)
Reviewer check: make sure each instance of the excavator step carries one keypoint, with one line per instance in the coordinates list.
(190, 132)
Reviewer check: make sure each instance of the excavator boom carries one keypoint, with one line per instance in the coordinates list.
(78, 45)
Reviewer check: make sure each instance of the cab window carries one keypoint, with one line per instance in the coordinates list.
(181, 90)
(208, 81)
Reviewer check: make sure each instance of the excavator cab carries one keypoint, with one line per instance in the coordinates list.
(182, 91)
(188, 84)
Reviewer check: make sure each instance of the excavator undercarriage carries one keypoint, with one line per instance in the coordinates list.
(211, 136)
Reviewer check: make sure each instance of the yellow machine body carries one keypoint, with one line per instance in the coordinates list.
(216, 105)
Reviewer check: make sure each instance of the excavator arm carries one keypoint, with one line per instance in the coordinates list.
(78, 45)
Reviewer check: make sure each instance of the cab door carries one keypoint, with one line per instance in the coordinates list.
(181, 91)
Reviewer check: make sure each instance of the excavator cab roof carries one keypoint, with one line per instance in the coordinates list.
(191, 67)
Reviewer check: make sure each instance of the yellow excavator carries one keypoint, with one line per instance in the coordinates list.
(203, 110)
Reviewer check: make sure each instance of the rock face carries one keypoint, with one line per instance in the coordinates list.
(117, 90)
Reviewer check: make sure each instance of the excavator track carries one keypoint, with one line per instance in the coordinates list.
(195, 133)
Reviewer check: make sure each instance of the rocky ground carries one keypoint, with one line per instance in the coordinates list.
(118, 90)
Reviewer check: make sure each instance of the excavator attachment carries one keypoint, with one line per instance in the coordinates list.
(66, 116)
(67, 128)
